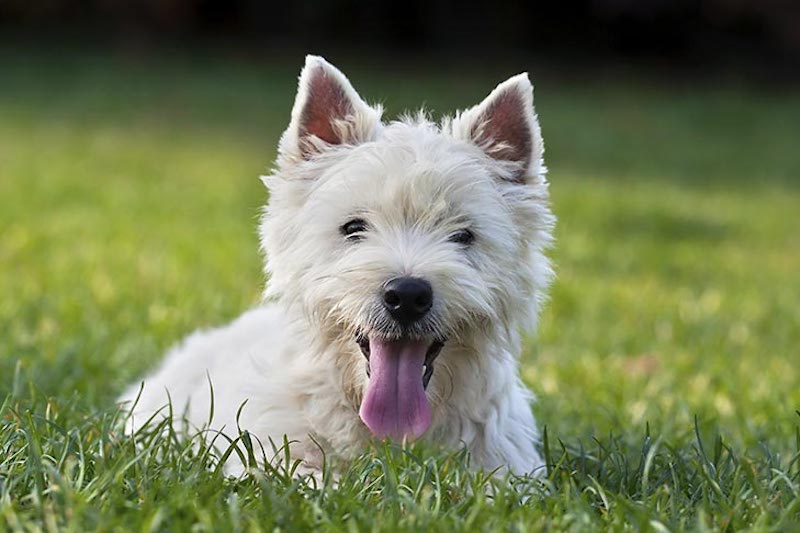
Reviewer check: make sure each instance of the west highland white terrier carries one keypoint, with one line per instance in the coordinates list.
(404, 261)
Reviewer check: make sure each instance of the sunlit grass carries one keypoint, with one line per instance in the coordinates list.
(666, 366)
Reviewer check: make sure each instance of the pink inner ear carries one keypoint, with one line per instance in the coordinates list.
(326, 102)
(504, 130)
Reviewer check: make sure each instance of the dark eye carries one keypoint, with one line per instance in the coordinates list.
(353, 229)
(462, 236)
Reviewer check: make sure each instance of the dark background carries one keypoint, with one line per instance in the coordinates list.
(753, 39)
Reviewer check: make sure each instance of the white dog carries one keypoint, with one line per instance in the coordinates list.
(404, 259)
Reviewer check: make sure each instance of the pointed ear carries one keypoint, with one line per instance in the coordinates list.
(327, 112)
(505, 126)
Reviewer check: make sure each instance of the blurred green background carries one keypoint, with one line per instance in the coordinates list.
(129, 195)
(132, 138)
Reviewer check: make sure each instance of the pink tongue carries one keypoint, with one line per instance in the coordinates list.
(395, 405)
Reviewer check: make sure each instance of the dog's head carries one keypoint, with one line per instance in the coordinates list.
(408, 243)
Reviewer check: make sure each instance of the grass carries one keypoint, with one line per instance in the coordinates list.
(666, 365)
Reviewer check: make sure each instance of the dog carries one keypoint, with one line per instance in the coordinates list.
(404, 260)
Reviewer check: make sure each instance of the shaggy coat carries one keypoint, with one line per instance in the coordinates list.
(354, 203)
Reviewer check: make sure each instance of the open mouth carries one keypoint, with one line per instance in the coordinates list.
(430, 355)
(395, 404)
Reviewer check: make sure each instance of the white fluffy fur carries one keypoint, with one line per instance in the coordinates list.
(294, 360)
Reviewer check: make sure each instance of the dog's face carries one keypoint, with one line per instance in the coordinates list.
(408, 244)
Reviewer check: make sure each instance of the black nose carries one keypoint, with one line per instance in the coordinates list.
(407, 299)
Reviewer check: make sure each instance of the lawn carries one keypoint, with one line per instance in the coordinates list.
(667, 366)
